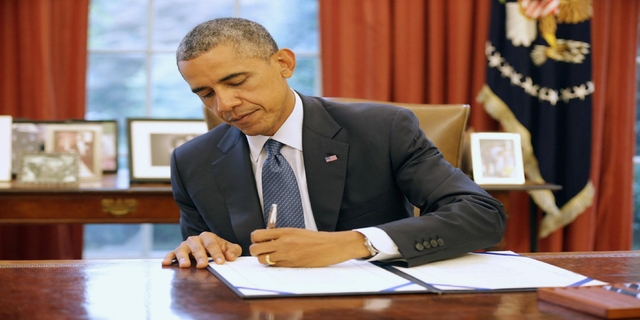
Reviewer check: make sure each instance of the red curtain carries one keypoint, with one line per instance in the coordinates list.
(433, 52)
(43, 49)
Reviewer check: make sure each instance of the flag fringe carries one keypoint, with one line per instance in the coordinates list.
(569, 212)
(555, 218)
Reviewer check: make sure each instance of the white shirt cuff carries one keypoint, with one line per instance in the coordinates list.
(381, 241)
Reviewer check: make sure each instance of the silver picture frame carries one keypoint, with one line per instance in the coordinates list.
(48, 168)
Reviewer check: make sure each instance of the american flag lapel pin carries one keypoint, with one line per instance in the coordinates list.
(331, 158)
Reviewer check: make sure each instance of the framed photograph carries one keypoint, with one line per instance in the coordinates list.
(85, 139)
(497, 158)
(51, 168)
(5, 148)
(151, 142)
(109, 143)
(27, 136)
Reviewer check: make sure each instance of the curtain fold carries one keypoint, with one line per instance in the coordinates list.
(433, 52)
(615, 40)
(43, 47)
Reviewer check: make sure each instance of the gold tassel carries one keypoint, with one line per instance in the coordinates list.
(569, 212)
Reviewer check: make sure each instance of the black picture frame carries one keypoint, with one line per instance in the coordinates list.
(151, 142)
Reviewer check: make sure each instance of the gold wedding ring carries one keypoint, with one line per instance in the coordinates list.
(269, 262)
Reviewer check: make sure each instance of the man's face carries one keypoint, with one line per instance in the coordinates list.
(248, 93)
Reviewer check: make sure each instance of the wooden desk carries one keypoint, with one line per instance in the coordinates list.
(111, 200)
(143, 289)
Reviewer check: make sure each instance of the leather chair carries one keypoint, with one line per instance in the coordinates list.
(444, 124)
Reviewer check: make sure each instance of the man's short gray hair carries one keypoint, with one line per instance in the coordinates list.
(249, 39)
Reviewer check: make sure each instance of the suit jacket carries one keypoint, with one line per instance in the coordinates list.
(385, 166)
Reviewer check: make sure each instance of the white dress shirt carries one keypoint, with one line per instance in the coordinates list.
(290, 134)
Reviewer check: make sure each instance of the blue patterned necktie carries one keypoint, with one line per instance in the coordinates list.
(279, 186)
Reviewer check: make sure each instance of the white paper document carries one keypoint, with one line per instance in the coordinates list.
(473, 272)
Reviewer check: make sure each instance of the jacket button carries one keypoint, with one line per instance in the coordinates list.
(419, 246)
(434, 243)
(426, 244)
(440, 242)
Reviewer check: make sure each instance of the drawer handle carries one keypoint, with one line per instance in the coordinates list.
(119, 207)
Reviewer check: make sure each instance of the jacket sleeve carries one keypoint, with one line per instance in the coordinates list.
(457, 216)
(191, 222)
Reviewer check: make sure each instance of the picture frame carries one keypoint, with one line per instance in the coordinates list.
(82, 138)
(109, 143)
(49, 168)
(27, 136)
(5, 147)
(151, 142)
(497, 158)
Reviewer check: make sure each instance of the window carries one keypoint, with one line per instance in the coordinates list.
(132, 73)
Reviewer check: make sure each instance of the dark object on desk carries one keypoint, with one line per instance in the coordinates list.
(611, 302)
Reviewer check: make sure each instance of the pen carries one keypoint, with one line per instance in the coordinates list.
(273, 217)
(627, 292)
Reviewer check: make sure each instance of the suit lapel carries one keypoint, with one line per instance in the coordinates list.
(325, 163)
(237, 184)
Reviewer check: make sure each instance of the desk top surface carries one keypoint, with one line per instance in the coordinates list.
(139, 289)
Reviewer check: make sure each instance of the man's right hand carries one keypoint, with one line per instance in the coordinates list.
(201, 247)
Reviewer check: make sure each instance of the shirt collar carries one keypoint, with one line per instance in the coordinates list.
(290, 133)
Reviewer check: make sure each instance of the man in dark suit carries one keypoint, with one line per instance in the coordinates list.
(360, 168)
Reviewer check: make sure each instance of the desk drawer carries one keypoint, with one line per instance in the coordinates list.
(94, 207)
